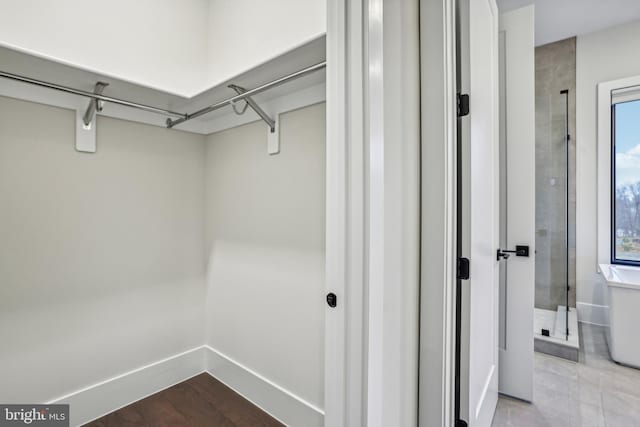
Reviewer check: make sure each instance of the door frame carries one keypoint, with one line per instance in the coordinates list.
(345, 324)
(372, 226)
(350, 29)
(439, 206)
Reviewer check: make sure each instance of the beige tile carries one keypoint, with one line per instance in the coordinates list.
(614, 419)
(618, 405)
(588, 415)
(593, 393)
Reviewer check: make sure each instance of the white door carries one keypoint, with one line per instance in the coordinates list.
(482, 210)
(517, 201)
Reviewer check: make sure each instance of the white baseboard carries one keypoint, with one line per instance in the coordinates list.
(106, 396)
(280, 403)
(114, 393)
(593, 313)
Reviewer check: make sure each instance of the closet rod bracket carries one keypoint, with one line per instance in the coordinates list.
(95, 104)
(86, 122)
(240, 96)
(255, 107)
(273, 138)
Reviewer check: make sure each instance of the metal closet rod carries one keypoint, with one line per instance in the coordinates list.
(229, 101)
(181, 116)
(91, 95)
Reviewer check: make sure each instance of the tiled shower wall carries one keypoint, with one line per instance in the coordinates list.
(555, 71)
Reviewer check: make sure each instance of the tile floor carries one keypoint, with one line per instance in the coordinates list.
(593, 392)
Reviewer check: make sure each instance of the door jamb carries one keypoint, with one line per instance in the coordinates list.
(439, 207)
(345, 326)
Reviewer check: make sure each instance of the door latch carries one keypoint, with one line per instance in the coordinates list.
(332, 300)
(521, 250)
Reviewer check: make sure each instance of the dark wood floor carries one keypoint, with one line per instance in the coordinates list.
(201, 401)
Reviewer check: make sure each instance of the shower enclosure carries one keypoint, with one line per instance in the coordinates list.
(555, 320)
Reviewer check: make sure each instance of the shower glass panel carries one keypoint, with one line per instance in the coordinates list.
(552, 266)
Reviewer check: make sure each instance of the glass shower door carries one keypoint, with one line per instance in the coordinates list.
(553, 163)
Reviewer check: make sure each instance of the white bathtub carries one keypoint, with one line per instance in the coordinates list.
(623, 291)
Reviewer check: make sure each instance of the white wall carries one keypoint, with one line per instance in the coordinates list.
(180, 47)
(245, 33)
(602, 56)
(265, 232)
(101, 256)
(154, 43)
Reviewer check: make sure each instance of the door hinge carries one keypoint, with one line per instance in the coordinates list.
(461, 423)
(464, 267)
(463, 104)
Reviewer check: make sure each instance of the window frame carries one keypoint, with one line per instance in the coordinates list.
(605, 93)
(612, 175)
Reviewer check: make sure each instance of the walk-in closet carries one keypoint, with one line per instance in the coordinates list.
(162, 181)
(210, 213)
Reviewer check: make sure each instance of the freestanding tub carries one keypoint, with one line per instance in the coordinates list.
(623, 292)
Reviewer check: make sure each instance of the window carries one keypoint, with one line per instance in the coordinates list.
(625, 178)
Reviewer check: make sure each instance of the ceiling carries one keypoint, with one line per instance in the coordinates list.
(561, 19)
